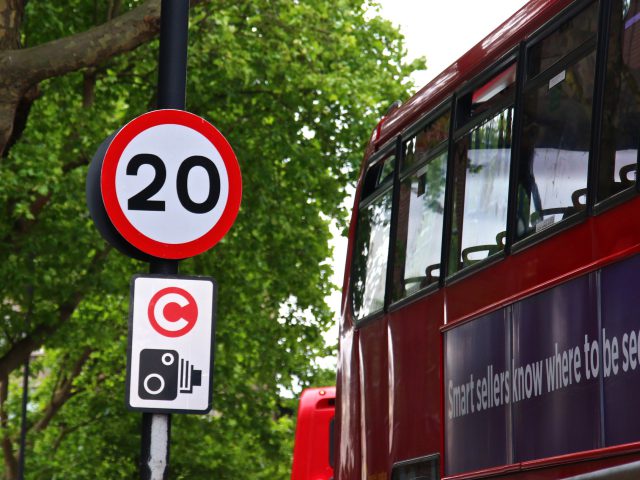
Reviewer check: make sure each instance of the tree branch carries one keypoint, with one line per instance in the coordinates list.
(20, 351)
(86, 49)
(22, 69)
(63, 392)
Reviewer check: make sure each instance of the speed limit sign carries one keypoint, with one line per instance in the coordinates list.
(171, 184)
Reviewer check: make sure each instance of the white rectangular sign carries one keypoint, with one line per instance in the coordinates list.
(170, 353)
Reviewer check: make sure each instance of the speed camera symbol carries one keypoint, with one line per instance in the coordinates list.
(173, 312)
(163, 375)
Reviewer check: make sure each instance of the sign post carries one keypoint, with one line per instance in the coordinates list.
(165, 187)
(172, 87)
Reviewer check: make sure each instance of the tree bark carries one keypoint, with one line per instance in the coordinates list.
(23, 69)
(10, 460)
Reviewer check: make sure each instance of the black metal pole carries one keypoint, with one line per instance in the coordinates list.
(172, 83)
(172, 70)
(23, 425)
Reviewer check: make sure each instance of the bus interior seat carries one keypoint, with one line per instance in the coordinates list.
(430, 277)
(624, 173)
(576, 205)
(491, 249)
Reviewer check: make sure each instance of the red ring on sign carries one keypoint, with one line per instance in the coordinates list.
(190, 310)
(108, 184)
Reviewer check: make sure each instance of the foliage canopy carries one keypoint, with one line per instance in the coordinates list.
(296, 87)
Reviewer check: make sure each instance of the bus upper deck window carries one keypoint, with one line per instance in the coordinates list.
(556, 129)
(378, 173)
(426, 141)
(481, 163)
(369, 267)
(620, 141)
(569, 36)
(481, 166)
(494, 93)
(421, 208)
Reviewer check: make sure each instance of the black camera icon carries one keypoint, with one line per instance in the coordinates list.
(163, 374)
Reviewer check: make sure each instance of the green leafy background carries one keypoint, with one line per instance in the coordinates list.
(296, 87)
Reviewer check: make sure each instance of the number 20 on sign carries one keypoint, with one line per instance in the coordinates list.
(171, 184)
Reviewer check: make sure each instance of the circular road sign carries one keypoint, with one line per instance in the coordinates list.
(171, 184)
(172, 312)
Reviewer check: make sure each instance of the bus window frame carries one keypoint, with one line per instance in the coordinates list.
(414, 129)
(387, 150)
(598, 207)
(433, 457)
(464, 127)
(591, 45)
(463, 123)
(432, 287)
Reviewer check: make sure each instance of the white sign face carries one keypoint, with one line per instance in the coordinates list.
(170, 355)
(170, 184)
(164, 151)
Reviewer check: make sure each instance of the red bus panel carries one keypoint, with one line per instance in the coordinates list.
(311, 451)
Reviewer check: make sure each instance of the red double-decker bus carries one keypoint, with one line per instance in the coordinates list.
(490, 326)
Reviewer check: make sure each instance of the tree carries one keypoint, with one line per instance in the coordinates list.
(296, 88)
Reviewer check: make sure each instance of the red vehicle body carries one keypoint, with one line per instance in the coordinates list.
(462, 356)
(312, 455)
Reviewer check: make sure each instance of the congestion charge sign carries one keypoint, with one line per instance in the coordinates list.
(171, 184)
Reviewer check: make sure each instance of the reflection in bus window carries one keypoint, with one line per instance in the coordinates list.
(420, 147)
(370, 256)
(621, 121)
(419, 237)
(378, 174)
(554, 155)
(481, 185)
(571, 35)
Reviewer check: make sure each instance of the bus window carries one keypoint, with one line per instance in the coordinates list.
(556, 135)
(421, 146)
(420, 220)
(369, 268)
(482, 161)
(621, 113)
(420, 469)
(421, 208)
(571, 35)
(496, 92)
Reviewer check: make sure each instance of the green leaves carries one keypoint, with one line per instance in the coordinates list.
(296, 88)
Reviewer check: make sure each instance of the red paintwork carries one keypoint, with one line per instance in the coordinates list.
(373, 401)
(389, 384)
(414, 359)
(311, 450)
